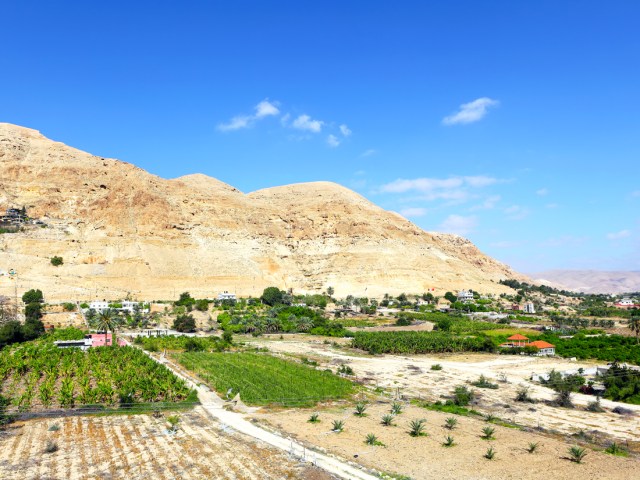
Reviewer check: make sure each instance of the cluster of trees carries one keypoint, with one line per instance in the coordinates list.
(12, 331)
(622, 384)
(544, 289)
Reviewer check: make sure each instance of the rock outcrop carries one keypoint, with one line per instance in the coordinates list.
(122, 230)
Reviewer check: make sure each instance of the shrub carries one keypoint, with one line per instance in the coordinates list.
(184, 323)
(51, 447)
(371, 439)
(33, 296)
(462, 396)
(314, 418)
(487, 433)
(202, 305)
(533, 446)
(595, 406)
(69, 307)
(396, 408)
(448, 441)
(338, 426)
(577, 454)
(450, 423)
(387, 420)
(193, 345)
(84, 305)
(54, 428)
(56, 261)
(173, 421)
(436, 366)
(483, 382)
(360, 409)
(416, 428)
(345, 369)
(490, 453)
(522, 394)
(616, 449)
(563, 399)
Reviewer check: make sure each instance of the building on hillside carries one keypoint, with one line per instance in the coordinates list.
(515, 307)
(544, 348)
(516, 341)
(465, 296)
(625, 303)
(127, 306)
(83, 344)
(529, 308)
(227, 296)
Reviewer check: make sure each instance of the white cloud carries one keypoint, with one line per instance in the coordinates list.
(542, 192)
(345, 130)
(488, 204)
(635, 193)
(618, 235)
(413, 212)
(505, 244)
(263, 109)
(236, 123)
(266, 109)
(516, 212)
(305, 122)
(333, 141)
(470, 112)
(368, 153)
(459, 224)
(427, 185)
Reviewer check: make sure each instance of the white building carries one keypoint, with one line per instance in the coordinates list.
(465, 296)
(127, 306)
(226, 296)
(625, 303)
(529, 308)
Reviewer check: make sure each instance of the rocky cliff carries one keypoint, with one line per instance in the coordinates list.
(122, 230)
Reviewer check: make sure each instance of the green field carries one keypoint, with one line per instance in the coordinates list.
(262, 379)
(39, 375)
(420, 342)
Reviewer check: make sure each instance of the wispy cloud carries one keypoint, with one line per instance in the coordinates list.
(413, 212)
(516, 212)
(333, 141)
(368, 153)
(344, 130)
(542, 192)
(459, 224)
(488, 203)
(262, 110)
(428, 185)
(618, 235)
(470, 112)
(305, 122)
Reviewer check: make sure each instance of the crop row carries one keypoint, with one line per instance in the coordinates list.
(264, 379)
(40, 375)
(420, 342)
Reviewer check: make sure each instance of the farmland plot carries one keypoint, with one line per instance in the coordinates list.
(264, 379)
(137, 447)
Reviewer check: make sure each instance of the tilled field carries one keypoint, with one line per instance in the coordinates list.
(138, 447)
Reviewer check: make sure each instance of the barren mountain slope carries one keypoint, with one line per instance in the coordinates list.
(120, 229)
(591, 281)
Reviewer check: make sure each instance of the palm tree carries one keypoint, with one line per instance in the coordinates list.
(106, 321)
(634, 326)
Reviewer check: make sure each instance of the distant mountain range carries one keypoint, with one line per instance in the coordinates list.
(590, 281)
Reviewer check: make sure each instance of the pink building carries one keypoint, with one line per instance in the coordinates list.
(101, 340)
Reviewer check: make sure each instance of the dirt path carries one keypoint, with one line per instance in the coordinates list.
(235, 421)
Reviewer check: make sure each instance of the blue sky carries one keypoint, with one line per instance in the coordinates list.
(515, 124)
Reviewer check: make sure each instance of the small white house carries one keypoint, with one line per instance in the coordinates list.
(544, 348)
(465, 296)
(99, 306)
(127, 306)
(529, 308)
(625, 303)
(227, 296)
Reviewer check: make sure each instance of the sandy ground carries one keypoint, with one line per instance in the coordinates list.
(426, 458)
(412, 377)
(139, 447)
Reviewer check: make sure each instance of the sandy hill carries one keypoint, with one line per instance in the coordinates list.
(591, 281)
(120, 229)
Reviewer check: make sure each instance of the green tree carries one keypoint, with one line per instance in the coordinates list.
(56, 261)
(184, 323)
(450, 296)
(33, 296)
(330, 291)
(202, 305)
(634, 324)
(106, 321)
(272, 296)
(33, 311)
(185, 300)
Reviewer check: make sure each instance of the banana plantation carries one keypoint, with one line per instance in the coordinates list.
(41, 376)
(420, 342)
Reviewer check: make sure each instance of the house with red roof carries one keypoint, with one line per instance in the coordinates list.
(544, 348)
